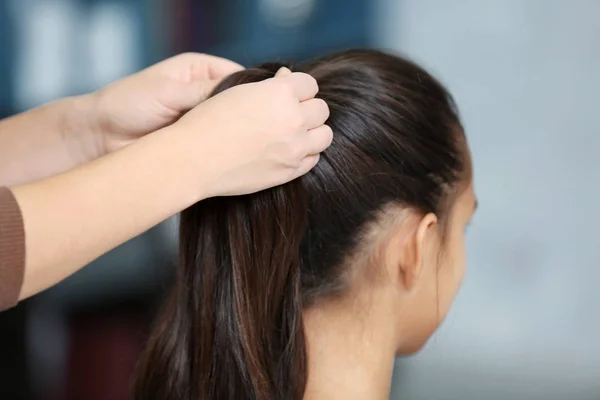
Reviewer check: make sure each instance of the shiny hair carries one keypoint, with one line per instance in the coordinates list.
(249, 265)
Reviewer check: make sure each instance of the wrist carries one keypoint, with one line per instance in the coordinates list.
(189, 158)
(80, 129)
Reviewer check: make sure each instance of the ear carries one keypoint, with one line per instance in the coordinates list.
(413, 249)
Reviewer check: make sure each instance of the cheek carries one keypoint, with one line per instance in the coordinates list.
(451, 274)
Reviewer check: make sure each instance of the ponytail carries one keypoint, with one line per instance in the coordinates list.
(233, 326)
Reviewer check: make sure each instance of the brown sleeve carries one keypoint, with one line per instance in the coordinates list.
(12, 249)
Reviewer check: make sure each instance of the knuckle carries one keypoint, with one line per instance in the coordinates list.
(314, 85)
(284, 87)
(295, 153)
(309, 80)
(323, 107)
(328, 133)
(317, 158)
(297, 121)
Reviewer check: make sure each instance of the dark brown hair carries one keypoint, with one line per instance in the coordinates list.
(249, 265)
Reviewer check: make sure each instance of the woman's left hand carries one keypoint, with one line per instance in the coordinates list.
(155, 97)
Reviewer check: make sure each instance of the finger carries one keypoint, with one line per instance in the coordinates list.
(304, 86)
(189, 95)
(219, 68)
(315, 112)
(318, 139)
(190, 67)
(306, 165)
(283, 71)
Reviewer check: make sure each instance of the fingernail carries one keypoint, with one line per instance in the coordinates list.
(283, 71)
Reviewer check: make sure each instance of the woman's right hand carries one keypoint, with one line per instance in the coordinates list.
(257, 135)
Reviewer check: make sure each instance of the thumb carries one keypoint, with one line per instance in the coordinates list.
(283, 71)
(205, 89)
(189, 95)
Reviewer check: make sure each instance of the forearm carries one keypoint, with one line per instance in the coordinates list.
(73, 218)
(47, 140)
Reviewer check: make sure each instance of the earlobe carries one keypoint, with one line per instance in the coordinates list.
(414, 249)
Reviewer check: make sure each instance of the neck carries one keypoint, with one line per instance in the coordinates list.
(348, 357)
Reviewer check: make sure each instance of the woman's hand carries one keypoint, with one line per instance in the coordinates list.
(155, 97)
(73, 131)
(255, 136)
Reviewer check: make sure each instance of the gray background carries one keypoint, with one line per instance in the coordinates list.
(526, 76)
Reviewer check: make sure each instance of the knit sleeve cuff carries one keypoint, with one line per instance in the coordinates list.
(12, 249)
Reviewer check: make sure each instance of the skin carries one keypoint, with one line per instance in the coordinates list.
(352, 343)
(69, 132)
(94, 171)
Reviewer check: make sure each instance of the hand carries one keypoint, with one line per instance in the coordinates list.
(155, 97)
(257, 135)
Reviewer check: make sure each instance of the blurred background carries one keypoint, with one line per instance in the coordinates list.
(525, 74)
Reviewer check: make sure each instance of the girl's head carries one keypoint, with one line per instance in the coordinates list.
(374, 235)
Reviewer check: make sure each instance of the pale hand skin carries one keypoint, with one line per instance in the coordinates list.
(276, 137)
(245, 139)
(73, 131)
(155, 97)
